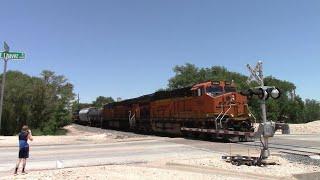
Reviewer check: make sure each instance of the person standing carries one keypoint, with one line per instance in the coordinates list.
(24, 136)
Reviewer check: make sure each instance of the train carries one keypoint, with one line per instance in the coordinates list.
(213, 109)
(89, 116)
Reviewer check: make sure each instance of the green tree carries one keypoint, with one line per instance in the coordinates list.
(286, 107)
(44, 103)
(101, 100)
(18, 94)
(185, 76)
(311, 110)
(189, 74)
(58, 96)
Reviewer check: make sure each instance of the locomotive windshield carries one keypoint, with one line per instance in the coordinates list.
(229, 89)
(214, 90)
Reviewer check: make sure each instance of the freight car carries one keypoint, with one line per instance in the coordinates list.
(212, 108)
(90, 116)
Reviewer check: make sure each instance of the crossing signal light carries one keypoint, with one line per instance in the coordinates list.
(275, 93)
(263, 93)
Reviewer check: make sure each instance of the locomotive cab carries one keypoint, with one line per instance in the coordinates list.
(228, 108)
(214, 88)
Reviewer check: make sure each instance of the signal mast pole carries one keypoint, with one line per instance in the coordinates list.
(265, 151)
(257, 75)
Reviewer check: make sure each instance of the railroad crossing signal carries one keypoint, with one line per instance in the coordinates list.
(262, 93)
(6, 56)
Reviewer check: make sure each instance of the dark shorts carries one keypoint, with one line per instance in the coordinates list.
(24, 152)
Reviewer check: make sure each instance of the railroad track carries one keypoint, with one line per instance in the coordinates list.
(288, 148)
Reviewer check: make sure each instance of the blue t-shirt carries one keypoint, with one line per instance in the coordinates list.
(23, 139)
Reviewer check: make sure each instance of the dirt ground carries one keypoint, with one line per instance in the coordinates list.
(121, 172)
(77, 134)
(203, 167)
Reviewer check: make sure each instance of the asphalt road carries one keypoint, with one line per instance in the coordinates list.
(75, 155)
(143, 151)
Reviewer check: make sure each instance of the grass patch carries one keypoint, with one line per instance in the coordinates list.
(58, 132)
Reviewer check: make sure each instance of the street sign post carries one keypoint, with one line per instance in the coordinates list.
(6, 56)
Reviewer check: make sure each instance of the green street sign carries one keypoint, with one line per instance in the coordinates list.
(12, 55)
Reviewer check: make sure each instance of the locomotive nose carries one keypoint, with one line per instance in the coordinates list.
(231, 102)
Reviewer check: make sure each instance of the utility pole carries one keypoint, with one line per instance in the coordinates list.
(5, 59)
(6, 56)
(78, 100)
(2, 88)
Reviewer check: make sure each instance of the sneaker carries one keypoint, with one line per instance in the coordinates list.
(23, 172)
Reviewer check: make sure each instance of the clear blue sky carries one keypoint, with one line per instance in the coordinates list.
(128, 48)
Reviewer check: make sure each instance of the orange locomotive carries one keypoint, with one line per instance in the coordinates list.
(203, 108)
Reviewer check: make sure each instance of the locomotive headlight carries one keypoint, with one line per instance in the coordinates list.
(232, 115)
(233, 98)
(249, 114)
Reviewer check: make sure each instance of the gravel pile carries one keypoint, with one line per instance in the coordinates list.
(307, 128)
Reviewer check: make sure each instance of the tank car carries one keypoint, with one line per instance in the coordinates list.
(90, 116)
(75, 116)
